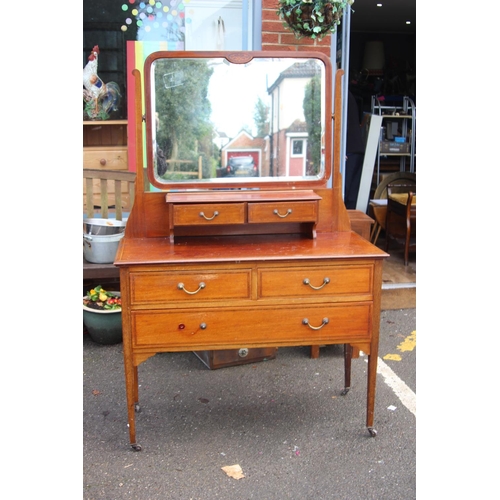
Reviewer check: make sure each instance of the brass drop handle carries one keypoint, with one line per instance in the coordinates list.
(203, 326)
(180, 286)
(182, 326)
(288, 212)
(202, 214)
(325, 282)
(325, 321)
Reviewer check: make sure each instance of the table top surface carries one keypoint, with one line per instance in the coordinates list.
(279, 247)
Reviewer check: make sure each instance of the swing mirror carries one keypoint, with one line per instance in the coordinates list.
(218, 120)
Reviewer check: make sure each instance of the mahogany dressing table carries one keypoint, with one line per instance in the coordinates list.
(212, 261)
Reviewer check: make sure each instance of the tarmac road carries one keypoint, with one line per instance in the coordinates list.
(282, 421)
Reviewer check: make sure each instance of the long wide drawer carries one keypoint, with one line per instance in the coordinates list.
(194, 286)
(316, 281)
(212, 328)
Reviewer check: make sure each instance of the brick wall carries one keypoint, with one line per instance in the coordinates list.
(275, 36)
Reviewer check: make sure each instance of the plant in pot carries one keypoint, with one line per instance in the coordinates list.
(312, 18)
(102, 315)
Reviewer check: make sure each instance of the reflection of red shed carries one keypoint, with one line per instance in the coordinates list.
(244, 145)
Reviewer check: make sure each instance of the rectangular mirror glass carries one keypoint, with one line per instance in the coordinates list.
(233, 120)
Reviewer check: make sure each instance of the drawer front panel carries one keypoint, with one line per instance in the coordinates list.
(204, 214)
(316, 281)
(214, 328)
(185, 286)
(294, 211)
(107, 159)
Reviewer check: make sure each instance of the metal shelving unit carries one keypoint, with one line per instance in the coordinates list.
(402, 113)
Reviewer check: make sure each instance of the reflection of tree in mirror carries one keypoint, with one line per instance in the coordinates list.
(261, 118)
(183, 128)
(312, 113)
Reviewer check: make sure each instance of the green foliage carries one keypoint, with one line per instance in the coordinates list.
(312, 18)
(312, 114)
(184, 130)
(261, 118)
(102, 299)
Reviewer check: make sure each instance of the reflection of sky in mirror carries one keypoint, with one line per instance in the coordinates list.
(234, 90)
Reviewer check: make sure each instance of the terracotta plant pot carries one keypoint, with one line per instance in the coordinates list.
(104, 326)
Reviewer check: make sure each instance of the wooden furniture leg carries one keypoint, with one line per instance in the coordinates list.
(314, 351)
(370, 403)
(375, 233)
(132, 390)
(347, 368)
(373, 353)
(408, 228)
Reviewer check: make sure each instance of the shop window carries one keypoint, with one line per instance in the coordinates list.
(169, 24)
(112, 57)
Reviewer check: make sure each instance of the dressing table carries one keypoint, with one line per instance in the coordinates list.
(212, 261)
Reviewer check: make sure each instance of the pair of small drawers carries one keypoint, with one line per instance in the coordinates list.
(196, 287)
(244, 213)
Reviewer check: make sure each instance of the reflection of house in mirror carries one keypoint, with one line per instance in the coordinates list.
(295, 134)
(220, 139)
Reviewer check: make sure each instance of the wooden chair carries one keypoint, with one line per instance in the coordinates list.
(106, 193)
(378, 204)
(401, 218)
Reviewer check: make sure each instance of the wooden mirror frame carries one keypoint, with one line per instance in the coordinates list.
(283, 183)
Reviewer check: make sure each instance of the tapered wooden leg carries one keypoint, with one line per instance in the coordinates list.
(372, 350)
(136, 386)
(370, 398)
(407, 240)
(347, 368)
(387, 229)
(314, 351)
(132, 390)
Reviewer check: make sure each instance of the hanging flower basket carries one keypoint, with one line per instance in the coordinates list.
(312, 18)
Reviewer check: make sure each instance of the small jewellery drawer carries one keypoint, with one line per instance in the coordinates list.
(182, 286)
(111, 159)
(294, 211)
(213, 213)
(216, 327)
(315, 281)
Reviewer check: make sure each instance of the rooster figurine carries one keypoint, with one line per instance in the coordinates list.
(100, 98)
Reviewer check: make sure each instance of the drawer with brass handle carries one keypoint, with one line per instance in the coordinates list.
(217, 328)
(345, 280)
(216, 213)
(291, 211)
(193, 286)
